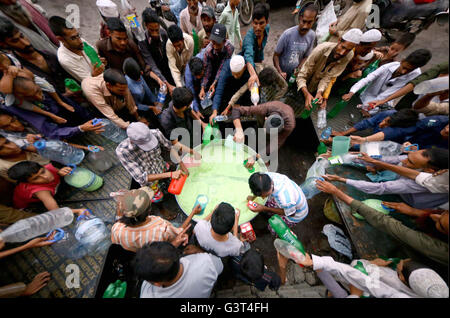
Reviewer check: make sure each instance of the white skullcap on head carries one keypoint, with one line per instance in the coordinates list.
(427, 283)
(237, 63)
(107, 8)
(366, 57)
(353, 35)
(373, 35)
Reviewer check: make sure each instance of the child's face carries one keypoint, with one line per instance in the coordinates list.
(394, 50)
(8, 148)
(41, 177)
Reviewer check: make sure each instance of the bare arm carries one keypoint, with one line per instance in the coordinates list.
(276, 63)
(47, 199)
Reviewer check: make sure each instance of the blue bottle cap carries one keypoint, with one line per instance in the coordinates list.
(40, 144)
(96, 121)
(92, 148)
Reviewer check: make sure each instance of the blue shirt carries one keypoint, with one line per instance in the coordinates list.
(142, 95)
(250, 50)
(194, 84)
(397, 134)
(428, 132)
(176, 6)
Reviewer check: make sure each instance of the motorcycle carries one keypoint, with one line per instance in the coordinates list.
(245, 9)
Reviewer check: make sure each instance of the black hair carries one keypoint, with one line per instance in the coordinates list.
(438, 157)
(58, 24)
(132, 68)
(181, 97)
(114, 76)
(141, 218)
(7, 29)
(267, 76)
(23, 170)
(409, 267)
(115, 24)
(406, 39)
(309, 7)
(403, 118)
(21, 82)
(259, 183)
(252, 265)
(222, 220)
(261, 11)
(196, 66)
(174, 33)
(418, 58)
(149, 16)
(157, 262)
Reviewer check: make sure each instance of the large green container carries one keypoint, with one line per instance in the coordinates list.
(285, 233)
(84, 179)
(340, 146)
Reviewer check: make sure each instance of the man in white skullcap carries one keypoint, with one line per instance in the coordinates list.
(328, 60)
(369, 40)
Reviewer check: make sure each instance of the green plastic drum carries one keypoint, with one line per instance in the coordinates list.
(374, 204)
(222, 178)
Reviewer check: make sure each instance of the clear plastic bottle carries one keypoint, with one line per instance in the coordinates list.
(322, 118)
(326, 133)
(221, 118)
(309, 187)
(254, 94)
(112, 131)
(92, 233)
(289, 251)
(381, 148)
(432, 86)
(100, 160)
(59, 151)
(69, 247)
(132, 20)
(28, 228)
(207, 101)
(162, 94)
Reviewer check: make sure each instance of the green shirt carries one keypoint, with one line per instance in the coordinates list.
(432, 248)
(433, 72)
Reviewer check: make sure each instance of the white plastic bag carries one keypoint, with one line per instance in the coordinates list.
(327, 16)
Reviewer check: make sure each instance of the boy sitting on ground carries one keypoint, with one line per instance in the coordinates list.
(213, 235)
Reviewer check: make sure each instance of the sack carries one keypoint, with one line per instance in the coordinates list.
(327, 16)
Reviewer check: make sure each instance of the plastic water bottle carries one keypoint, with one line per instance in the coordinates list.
(72, 85)
(221, 118)
(322, 119)
(254, 94)
(101, 160)
(432, 86)
(346, 159)
(133, 23)
(378, 149)
(289, 251)
(207, 101)
(306, 113)
(162, 94)
(326, 133)
(337, 108)
(309, 187)
(91, 54)
(28, 228)
(112, 131)
(285, 233)
(292, 80)
(92, 233)
(59, 151)
(68, 246)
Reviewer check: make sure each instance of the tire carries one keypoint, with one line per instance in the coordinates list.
(302, 5)
(246, 11)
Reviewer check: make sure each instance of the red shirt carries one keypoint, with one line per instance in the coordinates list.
(24, 192)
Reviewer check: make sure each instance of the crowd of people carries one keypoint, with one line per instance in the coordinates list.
(54, 84)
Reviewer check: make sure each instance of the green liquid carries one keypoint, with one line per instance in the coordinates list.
(336, 109)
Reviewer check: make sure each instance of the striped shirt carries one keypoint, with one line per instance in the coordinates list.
(155, 229)
(289, 197)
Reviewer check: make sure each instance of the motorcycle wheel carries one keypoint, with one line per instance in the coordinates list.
(246, 11)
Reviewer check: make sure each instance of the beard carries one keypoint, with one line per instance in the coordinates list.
(26, 50)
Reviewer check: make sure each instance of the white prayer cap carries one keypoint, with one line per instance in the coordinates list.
(427, 283)
(366, 57)
(237, 63)
(107, 8)
(373, 35)
(353, 35)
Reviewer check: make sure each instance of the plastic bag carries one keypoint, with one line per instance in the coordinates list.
(327, 16)
(337, 239)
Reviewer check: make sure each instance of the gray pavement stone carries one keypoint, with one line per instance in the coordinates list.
(309, 294)
(226, 293)
(299, 274)
(268, 293)
(242, 292)
(311, 278)
(321, 290)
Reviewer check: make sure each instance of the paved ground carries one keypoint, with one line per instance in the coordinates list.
(295, 157)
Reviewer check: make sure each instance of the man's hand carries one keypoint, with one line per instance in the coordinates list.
(326, 187)
(365, 157)
(202, 93)
(88, 126)
(259, 208)
(13, 71)
(197, 209)
(181, 238)
(239, 136)
(337, 133)
(183, 168)
(192, 249)
(355, 74)
(347, 97)
(176, 174)
(197, 155)
(199, 114)
(80, 212)
(32, 138)
(356, 140)
(253, 79)
(250, 162)
(319, 98)
(405, 209)
(324, 104)
(155, 110)
(211, 118)
(333, 28)
(39, 281)
(226, 110)
(376, 103)
(40, 242)
(64, 171)
(332, 177)
(283, 74)
(97, 70)
(237, 213)
(380, 262)
(170, 88)
(212, 90)
(58, 119)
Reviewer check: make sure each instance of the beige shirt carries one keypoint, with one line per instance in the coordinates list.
(313, 72)
(95, 90)
(185, 21)
(79, 66)
(178, 62)
(355, 17)
(30, 156)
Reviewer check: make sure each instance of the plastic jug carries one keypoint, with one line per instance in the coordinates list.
(162, 94)
(289, 251)
(92, 233)
(207, 101)
(84, 179)
(101, 160)
(340, 146)
(72, 85)
(203, 200)
(322, 118)
(91, 54)
(254, 94)
(378, 149)
(176, 185)
(59, 151)
(68, 246)
(432, 86)
(337, 108)
(285, 233)
(309, 187)
(306, 113)
(28, 228)
(112, 131)
(343, 159)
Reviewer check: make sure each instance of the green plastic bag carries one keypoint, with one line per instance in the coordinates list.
(116, 290)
